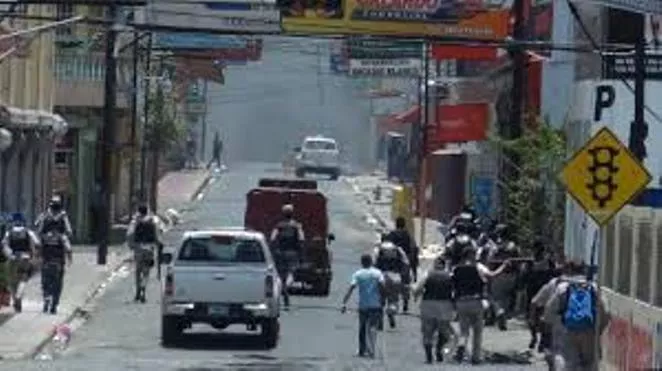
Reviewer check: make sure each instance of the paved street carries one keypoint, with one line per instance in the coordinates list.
(122, 335)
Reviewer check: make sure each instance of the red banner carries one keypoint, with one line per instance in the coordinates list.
(464, 53)
(460, 123)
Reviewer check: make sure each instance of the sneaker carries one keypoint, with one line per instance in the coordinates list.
(53, 310)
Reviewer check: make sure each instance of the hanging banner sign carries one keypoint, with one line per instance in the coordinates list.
(476, 19)
(385, 67)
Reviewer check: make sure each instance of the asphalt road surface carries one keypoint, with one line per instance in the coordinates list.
(123, 335)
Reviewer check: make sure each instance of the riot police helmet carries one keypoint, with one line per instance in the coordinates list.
(288, 211)
(18, 219)
(142, 209)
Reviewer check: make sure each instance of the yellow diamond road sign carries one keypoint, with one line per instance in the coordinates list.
(604, 176)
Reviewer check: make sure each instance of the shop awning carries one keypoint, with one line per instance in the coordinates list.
(19, 118)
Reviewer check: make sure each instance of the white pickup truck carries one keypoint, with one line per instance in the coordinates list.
(221, 277)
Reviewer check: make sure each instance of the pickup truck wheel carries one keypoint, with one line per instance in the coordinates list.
(335, 175)
(171, 330)
(325, 288)
(270, 332)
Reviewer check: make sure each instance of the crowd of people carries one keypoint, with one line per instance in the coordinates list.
(478, 280)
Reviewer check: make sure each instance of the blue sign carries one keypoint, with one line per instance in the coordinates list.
(482, 192)
(177, 40)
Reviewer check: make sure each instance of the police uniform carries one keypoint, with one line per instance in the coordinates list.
(436, 309)
(469, 287)
(287, 238)
(55, 249)
(143, 234)
(19, 241)
(390, 258)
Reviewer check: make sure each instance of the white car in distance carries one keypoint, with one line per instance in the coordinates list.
(318, 155)
(221, 277)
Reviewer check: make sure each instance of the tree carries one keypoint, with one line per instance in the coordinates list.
(534, 199)
(163, 129)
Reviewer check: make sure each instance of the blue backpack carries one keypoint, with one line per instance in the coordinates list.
(578, 313)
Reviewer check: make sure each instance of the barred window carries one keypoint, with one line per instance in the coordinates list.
(609, 249)
(644, 251)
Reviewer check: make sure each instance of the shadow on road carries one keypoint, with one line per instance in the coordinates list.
(219, 341)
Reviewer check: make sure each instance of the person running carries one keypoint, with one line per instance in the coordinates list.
(143, 238)
(20, 248)
(287, 240)
(370, 282)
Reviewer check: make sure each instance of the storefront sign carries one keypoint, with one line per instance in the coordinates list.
(385, 67)
(475, 19)
(252, 16)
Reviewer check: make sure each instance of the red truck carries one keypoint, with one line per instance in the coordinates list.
(263, 212)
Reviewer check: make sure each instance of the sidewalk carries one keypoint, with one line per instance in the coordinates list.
(503, 345)
(23, 334)
(380, 210)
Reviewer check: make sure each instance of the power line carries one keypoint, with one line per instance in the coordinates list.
(591, 39)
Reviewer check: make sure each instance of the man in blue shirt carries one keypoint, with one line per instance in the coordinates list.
(370, 282)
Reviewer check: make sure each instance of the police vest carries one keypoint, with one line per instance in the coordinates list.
(467, 281)
(19, 241)
(54, 223)
(389, 260)
(438, 286)
(53, 250)
(288, 236)
(145, 231)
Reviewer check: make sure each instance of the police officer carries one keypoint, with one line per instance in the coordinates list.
(287, 241)
(55, 252)
(503, 289)
(20, 247)
(54, 218)
(143, 237)
(437, 310)
(392, 261)
(469, 280)
(401, 237)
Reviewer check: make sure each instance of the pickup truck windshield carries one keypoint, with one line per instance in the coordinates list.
(317, 145)
(221, 250)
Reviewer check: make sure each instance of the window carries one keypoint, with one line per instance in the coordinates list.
(318, 145)
(221, 249)
(64, 11)
(63, 158)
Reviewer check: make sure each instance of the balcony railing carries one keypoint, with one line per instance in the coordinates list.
(80, 79)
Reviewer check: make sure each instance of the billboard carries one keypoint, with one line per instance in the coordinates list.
(225, 15)
(191, 40)
(376, 48)
(476, 19)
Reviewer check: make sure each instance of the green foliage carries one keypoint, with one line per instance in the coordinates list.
(164, 128)
(534, 199)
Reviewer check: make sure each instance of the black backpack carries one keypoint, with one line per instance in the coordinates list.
(145, 231)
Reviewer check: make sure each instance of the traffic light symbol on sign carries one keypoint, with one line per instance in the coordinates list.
(602, 172)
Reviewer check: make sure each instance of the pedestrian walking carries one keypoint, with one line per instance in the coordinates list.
(578, 313)
(437, 312)
(217, 151)
(370, 283)
(469, 280)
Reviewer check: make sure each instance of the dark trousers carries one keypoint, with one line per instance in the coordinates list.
(368, 322)
(52, 278)
(215, 158)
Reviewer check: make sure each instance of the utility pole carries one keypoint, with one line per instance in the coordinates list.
(203, 140)
(143, 144)
(423, 147)
(639, 128)
(519, 64)
(134, 121)
(107, 141)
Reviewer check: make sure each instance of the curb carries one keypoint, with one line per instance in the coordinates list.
(124, 259)
(205, 182)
